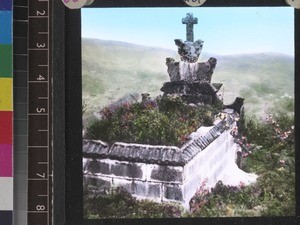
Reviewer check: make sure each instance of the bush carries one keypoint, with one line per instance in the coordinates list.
(162, 121)
(274, 162)
(225, 200)
(120, 204)
(169, 121)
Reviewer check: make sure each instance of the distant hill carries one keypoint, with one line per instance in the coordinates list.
(112, 70)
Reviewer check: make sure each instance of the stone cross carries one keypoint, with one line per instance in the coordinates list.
(189, 20)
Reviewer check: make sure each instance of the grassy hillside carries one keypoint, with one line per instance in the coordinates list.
(113, 70)
(266, 81)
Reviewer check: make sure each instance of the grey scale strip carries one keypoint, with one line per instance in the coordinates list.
(158, 154)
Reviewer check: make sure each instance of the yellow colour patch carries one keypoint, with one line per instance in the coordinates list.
(6, 90)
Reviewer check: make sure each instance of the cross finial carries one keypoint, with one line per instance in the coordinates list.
(189, 20)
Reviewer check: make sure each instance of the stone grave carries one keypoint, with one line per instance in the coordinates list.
(169, 173)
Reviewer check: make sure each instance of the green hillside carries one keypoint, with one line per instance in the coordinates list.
(114, 70)
(266, 81)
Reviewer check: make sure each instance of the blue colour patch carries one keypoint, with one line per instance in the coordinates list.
(5, 27)
(6, 217)
(5, 4)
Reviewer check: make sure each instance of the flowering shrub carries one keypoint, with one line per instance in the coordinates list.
(224, 200)
(272, 195)
(245, 148)
(200, 197)
(164, 120)
(274, 192)
(280, 134)
(120, 204)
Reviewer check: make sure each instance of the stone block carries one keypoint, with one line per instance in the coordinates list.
(189, 89)
(201, 88)
(137, 188)
(196, 99)
(144, 189)
(104, 168)
(154, 190)
(97, 184)
(131, 170)
(167, 173)
(173, 192)
(91, 166)
(190, 72)
(96, 166)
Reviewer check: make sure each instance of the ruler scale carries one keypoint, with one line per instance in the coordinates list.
(20, 25)
(39, 209)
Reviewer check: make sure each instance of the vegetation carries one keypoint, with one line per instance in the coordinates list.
(160, 121)
(266, 81)
(274, 161)
(120, 204)
(111, 70)
(272, 195)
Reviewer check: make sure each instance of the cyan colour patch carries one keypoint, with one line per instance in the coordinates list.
(6, 28)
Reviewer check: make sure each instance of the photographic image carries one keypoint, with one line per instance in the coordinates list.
(188, 112)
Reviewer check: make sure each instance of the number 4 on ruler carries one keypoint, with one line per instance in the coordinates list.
(40, 77)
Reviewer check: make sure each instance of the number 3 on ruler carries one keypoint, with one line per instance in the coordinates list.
(38, 45)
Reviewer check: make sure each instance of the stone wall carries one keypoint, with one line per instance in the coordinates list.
(161, 173)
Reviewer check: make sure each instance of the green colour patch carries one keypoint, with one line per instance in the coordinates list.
(6, 60)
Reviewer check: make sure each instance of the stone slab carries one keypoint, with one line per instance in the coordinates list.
(191, 72)
(131, 170)
(173, 192)
(167, 173)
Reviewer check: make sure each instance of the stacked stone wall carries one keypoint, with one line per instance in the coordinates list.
(160, 173)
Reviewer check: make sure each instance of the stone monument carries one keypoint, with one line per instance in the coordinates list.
(169, 173)
(188, 78)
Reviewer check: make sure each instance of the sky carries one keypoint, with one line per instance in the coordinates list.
(225, 31)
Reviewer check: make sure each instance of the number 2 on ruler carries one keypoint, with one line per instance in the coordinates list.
(43, 175)
(42, 13)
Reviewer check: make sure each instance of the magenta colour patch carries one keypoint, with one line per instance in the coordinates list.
(6, 160)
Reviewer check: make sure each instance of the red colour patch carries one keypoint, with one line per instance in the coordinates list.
(6, 123)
